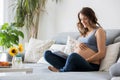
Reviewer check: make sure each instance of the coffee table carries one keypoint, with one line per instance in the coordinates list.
(24, 69)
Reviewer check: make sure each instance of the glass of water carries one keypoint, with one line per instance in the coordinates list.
(16, 62)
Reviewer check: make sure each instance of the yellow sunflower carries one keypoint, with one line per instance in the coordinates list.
(20, 48)
(13, 51)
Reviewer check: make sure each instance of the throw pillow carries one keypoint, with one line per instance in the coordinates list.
(115, 69)
(111, 56)
(71, 43)
(36, 48)
(26, 45)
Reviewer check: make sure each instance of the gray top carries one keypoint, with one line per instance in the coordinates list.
(90, 40)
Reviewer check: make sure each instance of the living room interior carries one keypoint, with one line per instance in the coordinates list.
(58, 20)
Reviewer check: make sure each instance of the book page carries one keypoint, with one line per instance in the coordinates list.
(61, 54)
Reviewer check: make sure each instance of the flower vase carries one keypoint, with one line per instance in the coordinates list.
(16, 62)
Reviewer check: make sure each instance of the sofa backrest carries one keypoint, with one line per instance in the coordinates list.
(112, 34)
(61, 38)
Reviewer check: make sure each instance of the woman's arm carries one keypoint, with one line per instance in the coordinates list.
(101, 44)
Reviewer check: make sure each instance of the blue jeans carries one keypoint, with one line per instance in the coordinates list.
(73, 62)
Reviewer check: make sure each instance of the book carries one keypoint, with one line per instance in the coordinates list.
(61, 54)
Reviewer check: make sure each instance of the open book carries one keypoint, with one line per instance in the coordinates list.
(61, 54)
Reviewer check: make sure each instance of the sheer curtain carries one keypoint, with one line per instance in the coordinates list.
(1, 11)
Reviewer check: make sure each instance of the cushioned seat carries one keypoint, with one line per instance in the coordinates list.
(42, 73)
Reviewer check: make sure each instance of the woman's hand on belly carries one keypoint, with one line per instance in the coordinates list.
(84, 51)
(80, 46)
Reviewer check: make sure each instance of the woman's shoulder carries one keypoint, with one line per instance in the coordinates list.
(100, 30)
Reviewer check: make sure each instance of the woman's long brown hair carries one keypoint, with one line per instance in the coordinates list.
(90, 14)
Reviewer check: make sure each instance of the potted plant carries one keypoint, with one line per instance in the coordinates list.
(27, 15)
(9, 35)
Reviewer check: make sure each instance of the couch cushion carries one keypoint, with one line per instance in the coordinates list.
(61, 38)
(111, 35)
(40, 72)
(115, 78)
(60, 76)
(115, 69)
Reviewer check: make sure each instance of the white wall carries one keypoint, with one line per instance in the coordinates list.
(47, 21)
(8, 11)
(62, 17)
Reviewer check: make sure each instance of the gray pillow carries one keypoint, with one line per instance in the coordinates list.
(115, 69)
(117, 39)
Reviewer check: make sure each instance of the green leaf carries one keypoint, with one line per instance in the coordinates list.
(4, 26)
(9, 35)
(21, 34)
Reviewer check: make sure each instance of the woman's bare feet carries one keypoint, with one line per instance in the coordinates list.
(53, 69)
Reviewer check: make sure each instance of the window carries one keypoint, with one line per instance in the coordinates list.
(1, 12)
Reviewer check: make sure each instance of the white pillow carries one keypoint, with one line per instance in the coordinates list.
(36, 48)
(26, 45)
(57, 47)
(70, 45)
(111, 56)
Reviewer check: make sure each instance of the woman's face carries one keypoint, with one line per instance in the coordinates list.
(84, 20)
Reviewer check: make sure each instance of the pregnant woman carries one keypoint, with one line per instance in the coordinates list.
(88, 53)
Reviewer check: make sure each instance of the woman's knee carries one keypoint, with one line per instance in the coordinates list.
(76, 57)
(73, 55)
(47, 53)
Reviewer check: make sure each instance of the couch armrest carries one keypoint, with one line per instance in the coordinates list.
(115, 70)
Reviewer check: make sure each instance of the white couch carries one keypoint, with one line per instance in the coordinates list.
(40, 71)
